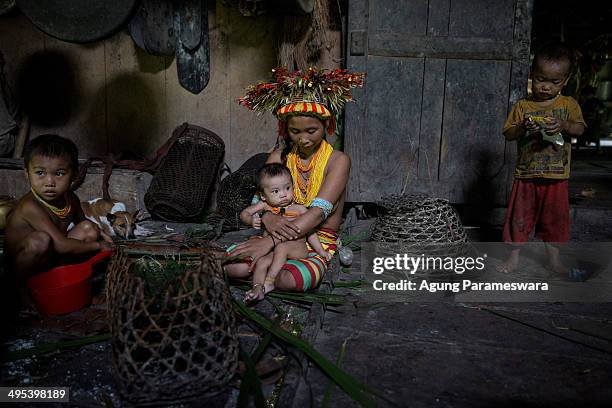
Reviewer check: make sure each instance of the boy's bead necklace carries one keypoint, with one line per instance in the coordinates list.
(63, 213)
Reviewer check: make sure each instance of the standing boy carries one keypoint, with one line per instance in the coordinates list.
(542, 125)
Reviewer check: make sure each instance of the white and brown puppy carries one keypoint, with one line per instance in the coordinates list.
(111, 216)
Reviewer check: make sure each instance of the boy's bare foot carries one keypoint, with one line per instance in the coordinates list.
(558, 268)
(257, 292)
(511, 263)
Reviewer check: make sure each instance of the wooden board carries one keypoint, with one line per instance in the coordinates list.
(441, 76)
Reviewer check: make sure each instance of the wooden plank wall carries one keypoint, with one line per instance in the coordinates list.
(116, 97)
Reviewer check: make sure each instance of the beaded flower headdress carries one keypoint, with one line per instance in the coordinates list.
(316, 92)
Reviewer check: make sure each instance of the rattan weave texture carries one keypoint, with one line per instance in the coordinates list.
(180, 188)
(176, 346)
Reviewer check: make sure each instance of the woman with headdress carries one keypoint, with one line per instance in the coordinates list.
(306, 105)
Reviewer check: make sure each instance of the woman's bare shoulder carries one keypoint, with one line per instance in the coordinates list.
(275, 156)
(340, 159)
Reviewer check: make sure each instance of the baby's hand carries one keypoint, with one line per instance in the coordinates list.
(256, 223)
(328, 256)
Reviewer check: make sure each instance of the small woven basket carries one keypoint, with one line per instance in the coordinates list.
(176, 345)
(418, 224)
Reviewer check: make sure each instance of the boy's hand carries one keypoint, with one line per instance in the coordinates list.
(554, 125)
(106, 246)
(530, 124)
(106, 237)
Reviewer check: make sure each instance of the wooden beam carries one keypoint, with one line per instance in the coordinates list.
(402, 45)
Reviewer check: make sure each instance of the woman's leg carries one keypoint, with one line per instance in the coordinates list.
(238, 270)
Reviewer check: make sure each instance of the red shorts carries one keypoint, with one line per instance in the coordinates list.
(539, 204)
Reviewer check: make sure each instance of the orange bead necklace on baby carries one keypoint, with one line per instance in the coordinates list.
(304, 192)
(63, 213)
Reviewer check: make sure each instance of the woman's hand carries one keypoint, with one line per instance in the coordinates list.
(255, 247)
(280, 227)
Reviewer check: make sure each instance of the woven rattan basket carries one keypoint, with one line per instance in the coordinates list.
(419, 224)
(181, 185)
(175, 346)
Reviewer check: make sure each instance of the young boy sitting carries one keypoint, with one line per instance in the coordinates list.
(37, 233)
(276, 192)
(542, 125)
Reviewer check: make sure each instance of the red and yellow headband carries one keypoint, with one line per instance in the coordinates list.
(315, 92)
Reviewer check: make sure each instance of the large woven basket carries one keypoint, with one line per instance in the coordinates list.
(178, 345)
(182, 183)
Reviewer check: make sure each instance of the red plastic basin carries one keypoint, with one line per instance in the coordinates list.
(64, 289)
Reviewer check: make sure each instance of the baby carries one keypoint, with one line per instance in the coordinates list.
(276, 192)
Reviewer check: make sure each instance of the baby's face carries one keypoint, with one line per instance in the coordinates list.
(278, 190)
(49, 177)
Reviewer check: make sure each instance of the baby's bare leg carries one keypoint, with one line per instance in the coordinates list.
(282, 252)
(85, 231)
(257, 292)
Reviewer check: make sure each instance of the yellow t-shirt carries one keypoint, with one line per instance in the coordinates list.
(538, 158)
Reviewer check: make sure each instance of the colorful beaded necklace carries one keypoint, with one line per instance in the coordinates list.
(63, 213)
(304, 192)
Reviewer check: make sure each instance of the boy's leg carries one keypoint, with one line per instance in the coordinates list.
(259, 276)
(85, 231)
(520, 219)
(32, 255)
(553, 224)
(282, 252)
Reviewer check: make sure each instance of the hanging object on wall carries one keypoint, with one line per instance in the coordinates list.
(77, 20)
(152, 27)
(254, 8)
(6, 6)
(304, 36)
(293, 6)
(192, 45)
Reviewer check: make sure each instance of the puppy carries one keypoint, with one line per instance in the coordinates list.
(112, 217)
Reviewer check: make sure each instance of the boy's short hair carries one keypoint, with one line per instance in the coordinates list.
(52, 146)
(555, 51)
(272, 170)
